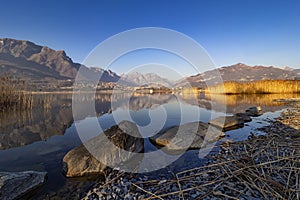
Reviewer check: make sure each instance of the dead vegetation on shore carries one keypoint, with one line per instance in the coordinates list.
(265, 168)
(256, 87)
(262, 167)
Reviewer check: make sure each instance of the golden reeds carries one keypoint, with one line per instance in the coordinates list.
(13, 93)
(256, 87)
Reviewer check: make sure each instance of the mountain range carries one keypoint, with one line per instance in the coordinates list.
(148, 79)
(26, 60)
(241, 72)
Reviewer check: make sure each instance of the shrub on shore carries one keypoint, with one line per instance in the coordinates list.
(256, 87)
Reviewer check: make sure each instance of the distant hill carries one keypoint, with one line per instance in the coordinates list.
(24, 59)
(241, 72)
(149, 79)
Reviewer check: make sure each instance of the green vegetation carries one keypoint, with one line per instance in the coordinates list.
(13, 93)
(257, 87)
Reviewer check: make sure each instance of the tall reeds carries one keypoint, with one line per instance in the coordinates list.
(256, 87)
(13, 93)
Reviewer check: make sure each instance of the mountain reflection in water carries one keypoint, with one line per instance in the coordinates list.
(38, 138)
(51, 114)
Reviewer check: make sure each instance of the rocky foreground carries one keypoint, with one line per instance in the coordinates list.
(123, 142)
(263, 167)
(14, 185)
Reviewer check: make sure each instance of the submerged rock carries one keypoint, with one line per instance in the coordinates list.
(188, 136)
(14, 185)
(245, 116)
(116, 145)
(254, 111)
(227, 122)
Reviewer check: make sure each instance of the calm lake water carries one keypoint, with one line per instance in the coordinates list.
(38, 138)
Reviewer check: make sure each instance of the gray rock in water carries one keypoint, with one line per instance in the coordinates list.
(187, 136)
(245, 116)
(227, 122)
(112, 147)
(16, 184)
(254, 111)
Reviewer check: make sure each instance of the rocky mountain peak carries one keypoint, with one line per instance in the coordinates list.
(31, 61)
(241, 72)
(18, 48)
(42, 55)
(241, 65)
(145, 79)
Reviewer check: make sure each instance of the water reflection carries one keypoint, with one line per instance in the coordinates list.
(239, 103)
(51, 114)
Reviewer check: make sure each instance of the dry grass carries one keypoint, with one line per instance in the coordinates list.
(263, 167)
(13, 93)
(257, 87)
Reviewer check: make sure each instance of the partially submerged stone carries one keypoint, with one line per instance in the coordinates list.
(14, 185)
(244, 116)
(188, 136)
(227, 122)
(111, 147)
(254, 111)
(237, 120)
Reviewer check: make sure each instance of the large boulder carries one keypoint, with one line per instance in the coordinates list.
(14, 185)
(227, 122)
(188, 136)
(116, 145)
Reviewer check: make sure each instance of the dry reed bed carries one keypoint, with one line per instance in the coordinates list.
(12, 93)
(256, 87)
(265, 168)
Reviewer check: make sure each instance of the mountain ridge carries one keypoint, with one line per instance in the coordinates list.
(25, 59)
(57, 61)
(28, 60)
(240, 72)
(139, 79)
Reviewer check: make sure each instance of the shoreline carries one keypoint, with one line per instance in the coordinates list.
(260, 167)
(70, 92)
(79, 189)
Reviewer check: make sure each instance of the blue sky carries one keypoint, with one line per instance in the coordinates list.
(250, 31)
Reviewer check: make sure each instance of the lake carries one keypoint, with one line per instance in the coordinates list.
(38, 138)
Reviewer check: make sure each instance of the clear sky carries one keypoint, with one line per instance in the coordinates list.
(253, 32)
